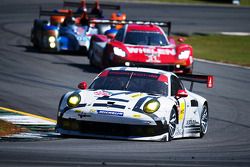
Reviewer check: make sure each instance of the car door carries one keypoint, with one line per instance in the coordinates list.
(176, 85)
(188, 116)
(182, 103)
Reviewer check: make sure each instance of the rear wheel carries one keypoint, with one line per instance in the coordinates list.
(204, 120)
(172, 123)
(106, 59)
(90, 55)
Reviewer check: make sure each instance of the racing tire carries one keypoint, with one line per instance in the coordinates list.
(34, 40)
(90, 55)
(204, 120)
(106, 62)
(172, 123)
(188, 70)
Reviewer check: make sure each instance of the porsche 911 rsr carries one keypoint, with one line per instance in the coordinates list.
(141, 44)
(136, 104)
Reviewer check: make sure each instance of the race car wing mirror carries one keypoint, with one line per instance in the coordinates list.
(181, 93)
(83, 85)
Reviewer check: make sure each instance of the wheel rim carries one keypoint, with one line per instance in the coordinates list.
(204, 120)
(172, 123)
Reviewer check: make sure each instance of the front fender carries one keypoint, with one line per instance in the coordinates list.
(166, 106)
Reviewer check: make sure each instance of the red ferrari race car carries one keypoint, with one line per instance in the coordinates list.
(140, 43)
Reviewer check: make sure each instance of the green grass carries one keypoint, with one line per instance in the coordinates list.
(221, 48)
(242, 2)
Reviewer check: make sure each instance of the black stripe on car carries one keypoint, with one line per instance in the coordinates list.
(109, 105)
(111, 99)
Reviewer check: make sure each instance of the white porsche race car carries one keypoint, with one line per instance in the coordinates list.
(136, 104)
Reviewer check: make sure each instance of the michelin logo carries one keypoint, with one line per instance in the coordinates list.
(114, 113)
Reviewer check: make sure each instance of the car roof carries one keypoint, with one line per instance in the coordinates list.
(137, 27)
(141, 69)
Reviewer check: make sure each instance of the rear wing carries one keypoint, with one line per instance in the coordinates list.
(57, 13)
(91, 5)
(140, 22)
(205, 79)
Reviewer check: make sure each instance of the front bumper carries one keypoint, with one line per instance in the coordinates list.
(177, 68)
(156, 132)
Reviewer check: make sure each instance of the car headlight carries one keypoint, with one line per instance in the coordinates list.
(73, 100)
(151, 106)
(52, 45)
(184, 54)
(119, 52)
(52, 39)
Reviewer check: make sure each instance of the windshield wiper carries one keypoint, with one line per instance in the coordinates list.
(126, 87)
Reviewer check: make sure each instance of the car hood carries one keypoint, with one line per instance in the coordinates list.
(151, 54)
(114, 99)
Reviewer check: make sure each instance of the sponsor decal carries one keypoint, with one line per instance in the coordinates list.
(153, 59)
(113, 113)
(78, 111)
(136, 95)
(178, 132)
(192, 122)
(136, 115)
(152, 51)
(82, 114)
(181, 111)
(102, 93)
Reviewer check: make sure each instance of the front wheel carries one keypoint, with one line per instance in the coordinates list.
(90, 56)
(188, 70)
(172, 123)
(204, 120)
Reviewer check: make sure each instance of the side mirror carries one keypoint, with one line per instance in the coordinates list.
(83, 85)
(181, 93)
(181, 40)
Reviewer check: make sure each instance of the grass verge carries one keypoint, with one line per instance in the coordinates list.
(242, 2)
(7, 128)
(221, 48)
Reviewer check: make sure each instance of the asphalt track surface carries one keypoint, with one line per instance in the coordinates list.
(34, 82)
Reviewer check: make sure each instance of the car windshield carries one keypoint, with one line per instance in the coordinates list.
(145, 38)
(131, 81)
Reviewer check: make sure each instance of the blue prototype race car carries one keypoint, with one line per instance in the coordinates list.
(66, 30)
(60, 33)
